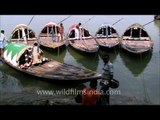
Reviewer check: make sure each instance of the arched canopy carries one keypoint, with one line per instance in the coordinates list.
(74, 32)
(49, 29)
(22, 32)
(107, 30)
(136, 30)
(13, 52)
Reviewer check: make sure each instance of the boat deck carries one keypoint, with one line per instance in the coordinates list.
(48, 42)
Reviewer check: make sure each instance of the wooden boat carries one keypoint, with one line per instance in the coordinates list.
(107, 36)
(23, 34)
(136, 39)
(50, 69)
(86, 43)
(49, 39)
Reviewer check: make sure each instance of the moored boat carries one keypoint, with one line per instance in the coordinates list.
(49, 69)
(23, 34)
(82, 41)
(136, 39)
(49, 36)
(107, 36)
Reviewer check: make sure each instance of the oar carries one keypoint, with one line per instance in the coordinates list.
(27, 28)
(117, 21)
(148, 23)
(64, 19)
(30, 20)
(83, 25)
(88, 20)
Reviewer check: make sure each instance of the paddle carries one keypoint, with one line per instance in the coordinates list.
(25, 38)
(83, 25)
(117, 21)
(30, 20)
(148, 23)
(88, 20)
(64, 19)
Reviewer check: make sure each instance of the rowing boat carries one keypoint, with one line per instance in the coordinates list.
(82, 40)
(136, 39)
(49, 70)
(107, 36)
(49, 36)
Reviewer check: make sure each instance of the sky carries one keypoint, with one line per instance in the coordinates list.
(8, 22)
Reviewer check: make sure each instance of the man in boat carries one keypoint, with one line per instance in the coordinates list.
(25, 60)
(3, 39)
(61, 31)
(58, 33)
(79, 32)
(52, 34)
(37, 54)
(107, 76)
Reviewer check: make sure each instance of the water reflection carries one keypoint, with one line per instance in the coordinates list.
(9, 84)
(135, 63)
(89, 61)
(14, 79)
(112, 53)
(57, 54)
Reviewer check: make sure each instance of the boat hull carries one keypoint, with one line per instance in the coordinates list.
(137, 47)
(54, 71)
(136, 39)
(47, 42)
(108, 42)
(86, 45)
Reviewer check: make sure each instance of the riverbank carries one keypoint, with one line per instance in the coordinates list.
(31, 98)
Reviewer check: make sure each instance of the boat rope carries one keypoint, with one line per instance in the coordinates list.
(148, 23)
(147, 98)
(117, 21)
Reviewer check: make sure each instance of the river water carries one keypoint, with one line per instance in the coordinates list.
(138, 75)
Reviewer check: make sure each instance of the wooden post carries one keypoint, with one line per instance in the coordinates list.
(140, 33)
(28, 33)
(131, 32)
(19, 35)
(47, 31)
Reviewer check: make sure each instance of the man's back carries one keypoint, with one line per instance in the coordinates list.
(108, 71)
(90, 96)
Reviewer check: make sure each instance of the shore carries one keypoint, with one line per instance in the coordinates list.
(31, 98)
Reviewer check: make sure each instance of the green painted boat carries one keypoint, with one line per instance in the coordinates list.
(48, 70)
